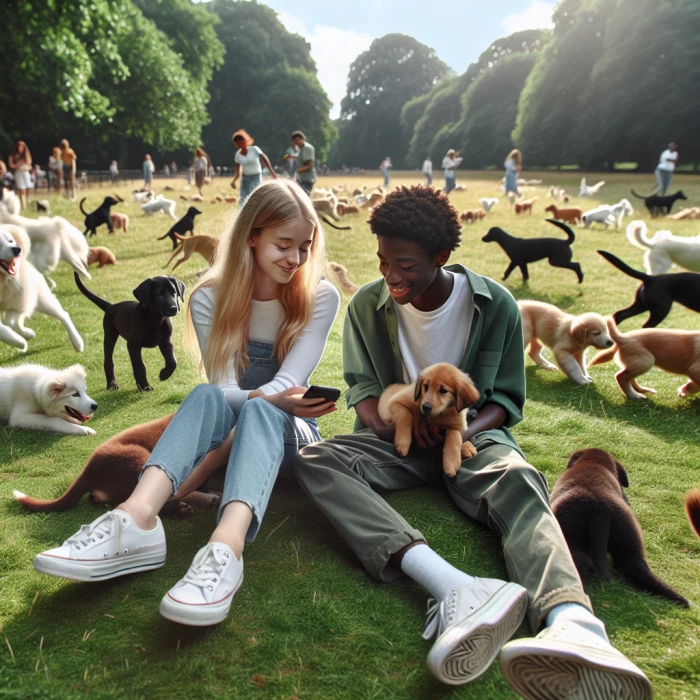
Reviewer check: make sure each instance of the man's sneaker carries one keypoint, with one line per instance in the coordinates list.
(203, 596)
(568, 661)
(111, 546)
(472, 624)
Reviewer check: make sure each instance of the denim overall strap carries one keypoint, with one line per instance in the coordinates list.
(262, 368)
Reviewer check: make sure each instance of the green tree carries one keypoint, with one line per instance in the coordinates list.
(395, 69)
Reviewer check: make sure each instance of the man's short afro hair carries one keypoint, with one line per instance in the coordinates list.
(419, 214)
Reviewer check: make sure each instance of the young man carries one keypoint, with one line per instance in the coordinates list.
(421, 313)
(664, 170)
(306, 161)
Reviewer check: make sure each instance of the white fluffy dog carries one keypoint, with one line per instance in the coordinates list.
(37, 397)
(488, 203)
(24, 290)
(664, 249)
(589, 190)
(159, 204)
(142, 197)
(608, 214)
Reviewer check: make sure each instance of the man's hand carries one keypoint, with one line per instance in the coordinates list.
(426, 436)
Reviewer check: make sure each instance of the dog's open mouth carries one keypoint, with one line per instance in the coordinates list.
(9, 266)
(82, 417)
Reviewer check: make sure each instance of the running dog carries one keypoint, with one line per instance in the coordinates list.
(525, 205)
(101, 256)
(571, 215)
(658, 205)
(664, 249)
(205, 245)
(608, 214)
(159, 204)
(184, 226)
(101, 216)
(589, 190)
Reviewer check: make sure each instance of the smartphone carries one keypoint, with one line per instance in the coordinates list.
(328, 393)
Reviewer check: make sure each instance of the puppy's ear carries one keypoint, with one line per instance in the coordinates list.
(419, 389)
(178, 288)
(56, 387)
(467, 394)
(143, 292)
(579, 332)
(574, 458)
(622, 475)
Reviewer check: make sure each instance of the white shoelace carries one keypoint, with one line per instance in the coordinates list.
(437, 621)
(97, 530)
(206, 568)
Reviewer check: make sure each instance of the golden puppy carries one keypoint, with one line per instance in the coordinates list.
(205, 245)
(472, 215)
(525, 205)
(565, 335)
(572, 215)
(343, 277)
(102, 256)
(676, 352)
(120, 221)
(442, 393)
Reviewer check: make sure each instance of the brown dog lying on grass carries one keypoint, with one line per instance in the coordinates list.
(442, 393)
(100, 255)
(589, 502)
(111, 474)
(676, 352)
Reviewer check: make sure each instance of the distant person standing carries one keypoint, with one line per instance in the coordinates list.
(513, 166)
(20, 161)
(202, 163)
(166, 170)
(385, 167)
(290, 158)
(173, 167)
(56, 169)
(69, 160)
(148, 169)
(250, 161)
(450, 163)
(306, 162)
(664, 170)
(113, 172)
(428, 171)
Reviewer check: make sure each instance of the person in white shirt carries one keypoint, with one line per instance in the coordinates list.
(250, 161)
(260, 319)
(428, 171)
(385, 167)
(450, 163)
(664, 170)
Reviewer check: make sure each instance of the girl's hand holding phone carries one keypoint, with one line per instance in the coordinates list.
(292, 401)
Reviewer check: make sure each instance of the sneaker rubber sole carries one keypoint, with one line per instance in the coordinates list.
(540, 671)
(467, 649)
(99, 570)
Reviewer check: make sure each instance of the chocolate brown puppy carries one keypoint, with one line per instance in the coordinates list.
(590, 504)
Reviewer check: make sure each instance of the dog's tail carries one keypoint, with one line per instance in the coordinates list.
(637, 235)
(606, 355)
(692, 508)
(623, 266)
(166, 235)
(104, 305)
(637, 571)
(644, 196)
(74, 493)
(81, 206)
(339, 228)
(179, 237)
(571, 236)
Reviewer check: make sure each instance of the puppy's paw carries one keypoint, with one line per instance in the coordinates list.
(402, 445)
(166, 373)
(83, 430)
(148, 387)
(113, 386)
(450, 465)
(468, 450)
(27, 333)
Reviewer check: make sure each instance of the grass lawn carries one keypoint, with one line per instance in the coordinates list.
(309, 622)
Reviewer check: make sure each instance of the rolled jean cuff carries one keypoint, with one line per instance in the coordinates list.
(165, 470)
(254, 523)
(379, 566)
(540, 608)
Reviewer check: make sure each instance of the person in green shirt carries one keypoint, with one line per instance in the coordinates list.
(421, 312)
(306, 162)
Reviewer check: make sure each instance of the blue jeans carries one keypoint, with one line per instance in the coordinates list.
(511, 183)
(386, 177)
(449, 184)
(265, 443)
(248, 184)
(428, 179)
(663, 179)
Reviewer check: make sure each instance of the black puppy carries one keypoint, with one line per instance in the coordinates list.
(100, 216)
(143, 324)
(657, 293)
(659, 204)
(589, 502)
(185, 225)
(522, 251)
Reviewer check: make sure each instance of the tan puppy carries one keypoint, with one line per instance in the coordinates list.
(472, 215)
(120, 221)
(676, 352)
(571, 215)
(205, 245)
(525, 205)
(341, 273)
(102, 256)
(442, 393)
(565, 335)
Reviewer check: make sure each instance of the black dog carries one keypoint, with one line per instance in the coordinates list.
(658, 204)
(522, 251)
(657, 293)
(185, 225)
(589, 502)
(100, 216)
(143, 324)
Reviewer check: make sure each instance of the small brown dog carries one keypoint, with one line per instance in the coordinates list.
(692, 508)
(442, 393)
(343, 277)
(471, 215)
(205, 245)
(676, 352)
(120, 221)
(112, 471)
(567, 336)
(525, 205)
(100, 255)
(589, 502)
(571, 215)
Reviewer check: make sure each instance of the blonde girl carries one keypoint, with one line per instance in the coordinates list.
(20, 161)
(202, 165)
(513, 166)
(260, 319)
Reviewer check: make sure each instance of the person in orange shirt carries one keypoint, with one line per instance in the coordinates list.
(69, 159)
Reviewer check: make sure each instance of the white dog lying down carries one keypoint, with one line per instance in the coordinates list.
(24, 290)
(41, 398)
(589, 191)
(159, 204)
(567, 336)
(488, 203)
(608, 214)
(664, 249)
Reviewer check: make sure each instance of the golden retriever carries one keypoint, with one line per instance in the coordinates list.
(565, 335)
(120, 221)
(676, 352)
(100, 255)
(525, 205)
(343, 277)
(442, 393)
(205, 245)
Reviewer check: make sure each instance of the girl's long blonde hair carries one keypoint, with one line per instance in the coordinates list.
(273, 204)
(516, 155)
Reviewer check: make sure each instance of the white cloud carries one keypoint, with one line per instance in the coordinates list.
(538, 15)
(334, 50)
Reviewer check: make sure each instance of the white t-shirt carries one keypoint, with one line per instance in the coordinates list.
(668, 164)
(250, 162)
(427, 337)
(266, 318)
(448, 164)
(427, 166)
(201, 163)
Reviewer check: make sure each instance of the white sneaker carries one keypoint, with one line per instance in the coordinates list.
(111, 546)
(472, 624)
(203, 596)
(568, 661)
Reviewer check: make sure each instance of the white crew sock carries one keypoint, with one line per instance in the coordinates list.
(429, 569)
(573, 612)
